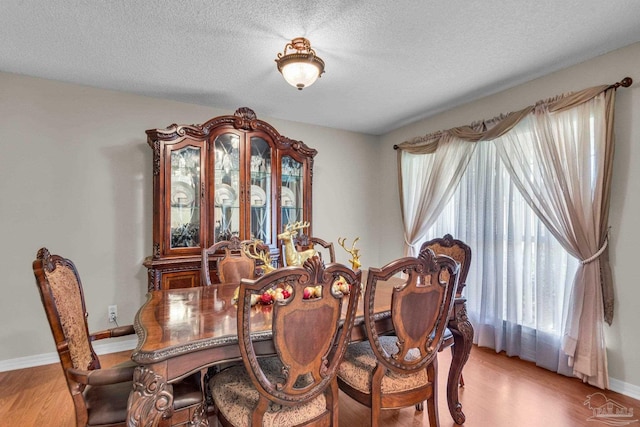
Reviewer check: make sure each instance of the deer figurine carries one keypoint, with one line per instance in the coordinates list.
(355, 253)
(292, 256)
(252, 251)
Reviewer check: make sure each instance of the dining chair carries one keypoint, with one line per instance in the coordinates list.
(302, 242)
(456, 249)
(396, 371)
(234, 263)
(99, 395)
(298, 385)
(461, 253)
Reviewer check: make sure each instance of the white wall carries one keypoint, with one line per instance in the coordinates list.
(623, 345)
(75, 176)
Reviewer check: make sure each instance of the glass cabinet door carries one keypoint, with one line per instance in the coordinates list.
(226, 204)
(292, 187)
(185, 190)
(260, 190)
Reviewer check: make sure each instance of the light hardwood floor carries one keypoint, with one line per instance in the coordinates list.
(500, 391)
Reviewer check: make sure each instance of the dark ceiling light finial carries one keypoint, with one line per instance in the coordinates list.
(301, 67)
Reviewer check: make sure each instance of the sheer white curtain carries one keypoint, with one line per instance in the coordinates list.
(557, 161)
(520, 276)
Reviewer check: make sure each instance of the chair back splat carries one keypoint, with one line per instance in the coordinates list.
(456, 249)
(63, 299)
(309, 337)
(395, 371)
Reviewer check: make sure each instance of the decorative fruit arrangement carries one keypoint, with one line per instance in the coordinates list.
(312, 292)
(274, 294)
(339, 286)
(281, 293)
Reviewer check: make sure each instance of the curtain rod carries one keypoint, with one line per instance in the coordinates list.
(626, 82)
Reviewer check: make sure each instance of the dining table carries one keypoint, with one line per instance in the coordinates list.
(188, 330)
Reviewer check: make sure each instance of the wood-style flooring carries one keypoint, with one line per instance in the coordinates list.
(500, 391)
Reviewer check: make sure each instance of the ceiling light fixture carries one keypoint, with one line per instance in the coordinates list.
(301, 67)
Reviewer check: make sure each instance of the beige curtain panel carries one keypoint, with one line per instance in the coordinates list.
(546, 168)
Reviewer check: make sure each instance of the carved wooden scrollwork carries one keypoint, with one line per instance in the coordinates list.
(245, 118)
(156, 157)
(246, 113)
(44, 255)
(151, 398)
(153, 282)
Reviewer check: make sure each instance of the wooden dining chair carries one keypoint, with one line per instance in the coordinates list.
(99, 395)
(461, 253)
(324, 248)
(396, 371)
(298, 385)
(302, 242)
(233, 263)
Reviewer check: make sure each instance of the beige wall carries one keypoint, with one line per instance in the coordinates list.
(75, 176)
(623, 345)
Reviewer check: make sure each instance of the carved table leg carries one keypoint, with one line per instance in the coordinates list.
(150, 400)
(463, 339)
(200, 416)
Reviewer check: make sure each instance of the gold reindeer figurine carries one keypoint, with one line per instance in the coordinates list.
(292, 256)
(252, 251)
(355, 253)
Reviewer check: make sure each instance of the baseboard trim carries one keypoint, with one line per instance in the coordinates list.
(49, 358)
(627, 389)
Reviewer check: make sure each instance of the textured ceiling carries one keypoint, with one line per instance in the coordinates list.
(388, 63)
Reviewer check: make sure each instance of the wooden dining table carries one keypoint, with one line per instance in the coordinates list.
(184, 331)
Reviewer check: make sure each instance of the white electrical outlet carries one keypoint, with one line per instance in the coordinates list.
(113, 313)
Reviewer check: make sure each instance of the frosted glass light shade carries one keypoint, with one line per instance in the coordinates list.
(300, 74)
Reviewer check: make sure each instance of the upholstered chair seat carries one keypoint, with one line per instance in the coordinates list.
(235, 395)
(106, 404)
(359, 362)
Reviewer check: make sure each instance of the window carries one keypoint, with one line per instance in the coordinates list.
(520, 276)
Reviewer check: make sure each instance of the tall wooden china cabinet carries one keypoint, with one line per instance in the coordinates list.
(234, 175)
